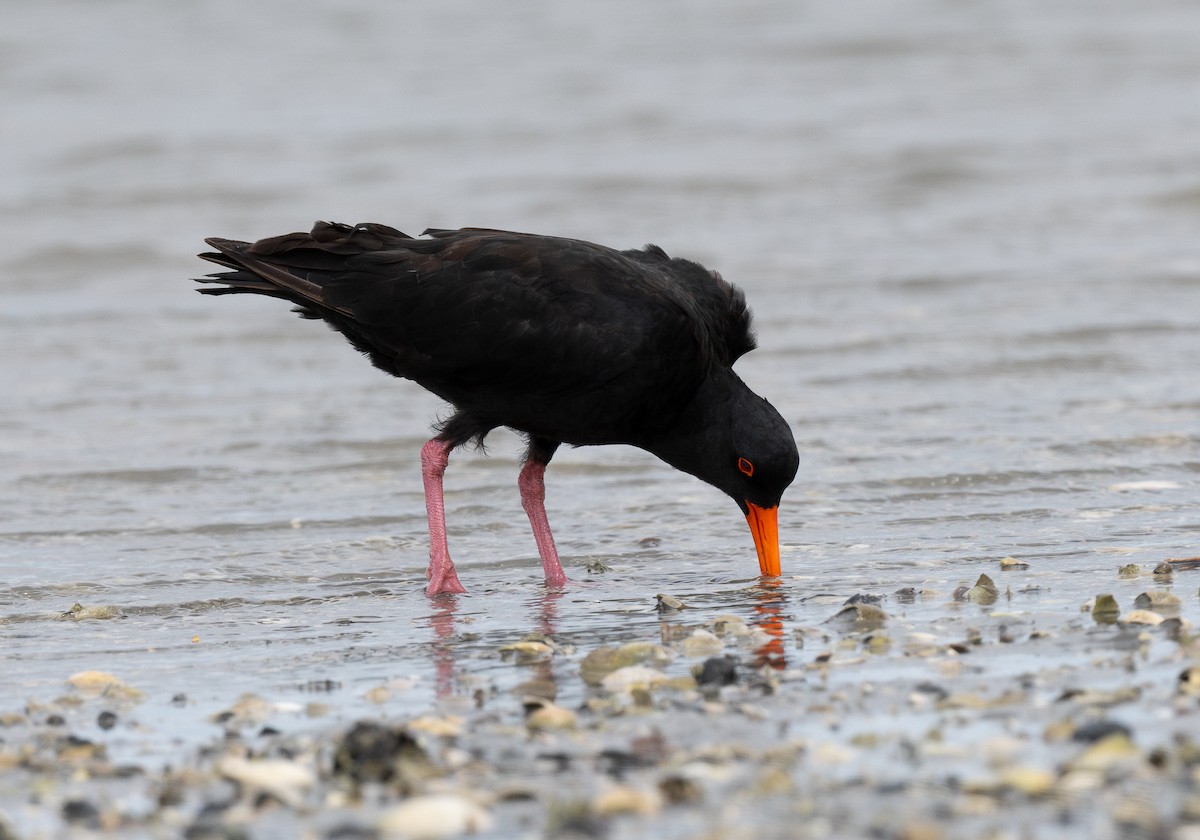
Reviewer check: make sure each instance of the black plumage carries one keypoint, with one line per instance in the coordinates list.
(559, 339)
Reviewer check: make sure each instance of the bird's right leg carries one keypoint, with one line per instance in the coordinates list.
(533, 499)
(442, 577)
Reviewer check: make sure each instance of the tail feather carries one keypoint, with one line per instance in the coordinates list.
(253, 275)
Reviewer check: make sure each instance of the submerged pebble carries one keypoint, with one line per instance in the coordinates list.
(79, 612)
(1105, 610)
(102, 684)
(604, 660)
(1161, 601)
(668, 603)
(701, 643)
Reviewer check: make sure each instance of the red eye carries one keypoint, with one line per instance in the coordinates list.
(745, 466)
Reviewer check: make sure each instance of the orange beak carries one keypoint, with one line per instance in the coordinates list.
(764, 527)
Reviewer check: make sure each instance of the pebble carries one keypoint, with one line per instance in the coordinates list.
(859, 618)
(1142, 617)
(247, 710)
(668, 603)
(1008, 564)
(625, 799)
(1160, 601)
(1105, 610)
(701, 643)
(1031, 781)
(81, 613)
(1090, 733)
(984, 592)
(1109, 752)
(373, 752)
(717, 671)
(434, 817)
(551, 717)
(528, 651)
(440, 726)
(102, 684)
(604, 660)
(633, 677)
(287, 781)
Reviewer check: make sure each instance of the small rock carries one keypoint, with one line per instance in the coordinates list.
(864, 598)
(80, 812)
(1102, 698)
(247, 710)
(101, 684)
(1142, 617)
(287, 781)
(1105, 610)
(984, 592)
(624, 799)
(1092, 732)
(1107, 753)
(859, 618)
(1129, 570)
(1161, 601)
(730, 625)
(680, 790)
(717, 671)
(81, 613)
(604, 660)
(548, 716)
(633, 677)
(921, 831)
(668, 603)
(597, 567)
(434, 817)
(1189, 680)
(440, 726)
(106, 720)
(527, 651)
(1010, 564)
(701, 643)
(372, 752)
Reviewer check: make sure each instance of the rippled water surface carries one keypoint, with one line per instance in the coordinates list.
(968, 231)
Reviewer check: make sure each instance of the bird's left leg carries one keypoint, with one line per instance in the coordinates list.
(533, 499)
(442, 577)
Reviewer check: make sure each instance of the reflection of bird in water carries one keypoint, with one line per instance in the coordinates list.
(559, 339)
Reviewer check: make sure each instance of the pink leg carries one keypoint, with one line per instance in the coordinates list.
(533, 499)
(442, 577)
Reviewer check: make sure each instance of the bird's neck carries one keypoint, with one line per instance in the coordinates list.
(701, 436)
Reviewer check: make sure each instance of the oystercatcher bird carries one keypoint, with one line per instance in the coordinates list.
(558, 339)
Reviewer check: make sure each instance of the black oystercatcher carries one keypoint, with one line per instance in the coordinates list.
(558, 339)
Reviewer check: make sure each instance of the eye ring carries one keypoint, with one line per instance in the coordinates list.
(745, 467)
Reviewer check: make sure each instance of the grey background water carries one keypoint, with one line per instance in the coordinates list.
(968, 232)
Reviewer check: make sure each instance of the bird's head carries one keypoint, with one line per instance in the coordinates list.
(739, 443)
(762, 464)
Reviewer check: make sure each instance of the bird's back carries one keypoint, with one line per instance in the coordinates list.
(559, 338)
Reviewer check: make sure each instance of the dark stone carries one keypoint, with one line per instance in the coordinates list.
(718, 671)
(1095, 731)
(863, 598)
(372, 752)
(81, 812)
(106, 720)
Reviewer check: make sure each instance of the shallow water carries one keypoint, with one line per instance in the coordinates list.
(968, 232)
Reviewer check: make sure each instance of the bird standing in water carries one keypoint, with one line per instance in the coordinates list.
(558, 339)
